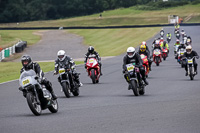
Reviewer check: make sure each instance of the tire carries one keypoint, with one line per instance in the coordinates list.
(76, 92)
(142, 91)
(65, 87)
(191, 74)
(164, 58)
(93, 77)
(97, 81)
(35, 107)
(157, 61)
(54, 107)
(134, 87)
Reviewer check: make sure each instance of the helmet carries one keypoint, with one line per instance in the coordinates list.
(189, 49)
(177, 41)
(144, 43)
(182, 30)
(91, 49)
(130, 52)
(157, 42)
(61, 55)
(26, 61)
(142, 48)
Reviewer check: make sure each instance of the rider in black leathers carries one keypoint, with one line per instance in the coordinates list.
(133, 57)
(27, 65)
(66, 62)
(93, 53)
(190, 53)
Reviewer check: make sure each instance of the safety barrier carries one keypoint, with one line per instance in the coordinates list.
(16, 48)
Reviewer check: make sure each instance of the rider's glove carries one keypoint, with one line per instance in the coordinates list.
(197, 57)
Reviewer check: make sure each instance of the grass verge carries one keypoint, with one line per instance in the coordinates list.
(11, 37)
(11, 70)
(112, 42)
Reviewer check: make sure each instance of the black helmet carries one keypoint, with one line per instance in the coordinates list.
(26, 61)
(91, 49)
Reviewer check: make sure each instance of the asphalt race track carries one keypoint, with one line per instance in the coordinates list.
(171, 102)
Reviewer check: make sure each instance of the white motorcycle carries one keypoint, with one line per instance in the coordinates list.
(38, 97)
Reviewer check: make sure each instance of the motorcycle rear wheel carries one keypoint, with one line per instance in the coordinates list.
(134, 87)
(33, 105)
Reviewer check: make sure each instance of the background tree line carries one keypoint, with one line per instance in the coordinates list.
(29, 10)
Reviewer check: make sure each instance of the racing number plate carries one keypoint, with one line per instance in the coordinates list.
(91, 60)
(190, 61)
(61, 71)
(26, 81)
(130, 67)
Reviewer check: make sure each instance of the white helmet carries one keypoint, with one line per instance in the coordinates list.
(61, 55)
(130, 52)
(189, 49)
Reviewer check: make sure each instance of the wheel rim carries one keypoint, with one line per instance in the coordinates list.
(36, 105)
(55, 104)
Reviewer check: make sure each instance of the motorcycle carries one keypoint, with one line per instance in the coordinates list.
(180, 55)
(68, 83)
(161, 34)
(93, 69)
(37, 96)
(168, 39)
(175, 50)
(164, 53)
(157, 57)
(145, 64)
(190, 66)
(132, 73)
(177, 35)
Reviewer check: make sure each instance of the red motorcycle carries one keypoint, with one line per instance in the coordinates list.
(164, 53)
(93, 70)
(145, 64)
(157, 57)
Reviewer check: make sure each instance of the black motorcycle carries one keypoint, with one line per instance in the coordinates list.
(68, 82)
(132, 72)
(38, 97)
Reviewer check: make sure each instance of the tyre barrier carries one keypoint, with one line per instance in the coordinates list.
(17, 48)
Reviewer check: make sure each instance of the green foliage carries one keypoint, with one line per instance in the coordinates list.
(29, 10)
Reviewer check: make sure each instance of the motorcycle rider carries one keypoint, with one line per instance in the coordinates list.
(165, 45)
(189, 41)
(147, 48)
(93, 53)
(67, 62)
(143, 50)
(168, 36)
(177, 42)
(28, 64)
(182, 32)
(190, 53)
(182, 46)
(133, 57)
(162, 32)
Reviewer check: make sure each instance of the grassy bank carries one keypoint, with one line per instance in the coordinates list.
(11, 37)
(112, 42)
(122, 16)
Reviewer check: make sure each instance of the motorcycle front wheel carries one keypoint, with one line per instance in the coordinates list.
(134, 87)
(33, 104)
(93, 76)
(191, 74)
(54, 107)
(66, 90)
